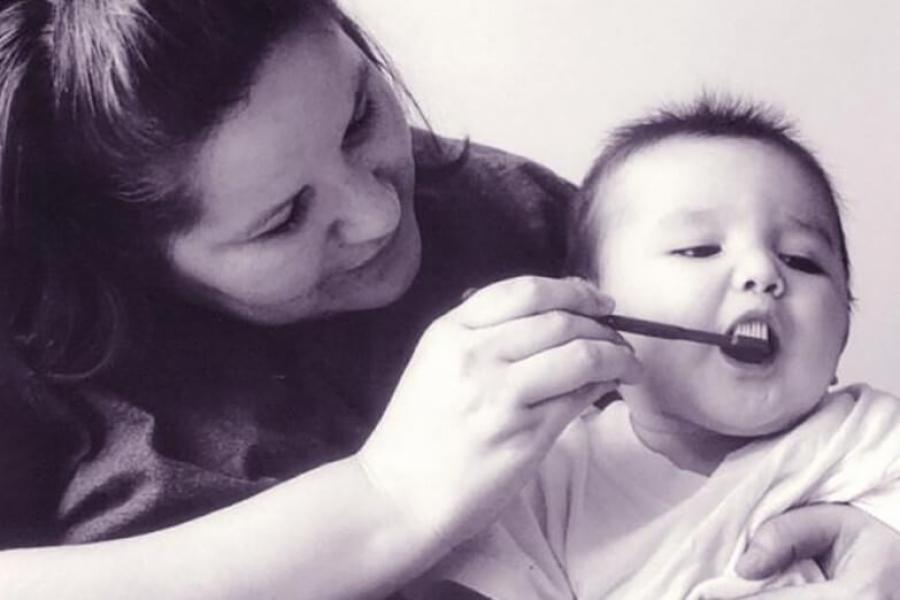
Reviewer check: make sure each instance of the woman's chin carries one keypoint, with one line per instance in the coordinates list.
(378, 283)
(387, 282)
(375, 285)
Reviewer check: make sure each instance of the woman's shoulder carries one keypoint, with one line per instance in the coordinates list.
(40, 441)
(447, 165)
(504, 212)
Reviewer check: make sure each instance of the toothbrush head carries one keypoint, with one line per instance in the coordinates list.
(750, 349)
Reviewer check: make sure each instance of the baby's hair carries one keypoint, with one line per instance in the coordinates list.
(706, 117)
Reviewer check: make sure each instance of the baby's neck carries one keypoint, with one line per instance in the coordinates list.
(686, 446)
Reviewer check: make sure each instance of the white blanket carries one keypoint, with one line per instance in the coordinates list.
(607, 518)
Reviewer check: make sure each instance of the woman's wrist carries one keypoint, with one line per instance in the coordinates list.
(398, 534)
(329, 533)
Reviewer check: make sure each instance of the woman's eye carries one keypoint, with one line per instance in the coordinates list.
(293, 218)
(360, 121)
(802, 263)
(698, 251)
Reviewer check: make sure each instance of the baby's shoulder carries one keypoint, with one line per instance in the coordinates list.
(856, 417)
(858, 402)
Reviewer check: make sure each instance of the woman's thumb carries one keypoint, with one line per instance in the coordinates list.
(801, 533)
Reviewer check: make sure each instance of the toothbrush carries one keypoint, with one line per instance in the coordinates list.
(742, 347)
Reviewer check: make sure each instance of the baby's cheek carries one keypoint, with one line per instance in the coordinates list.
(817, 358)
(664, 361)
(832, 326)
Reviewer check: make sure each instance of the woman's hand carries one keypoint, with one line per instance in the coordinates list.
(489, 388)
(859, 554)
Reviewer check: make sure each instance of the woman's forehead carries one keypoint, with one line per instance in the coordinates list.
(269, 143)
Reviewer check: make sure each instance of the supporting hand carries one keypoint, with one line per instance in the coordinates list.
(859, 554)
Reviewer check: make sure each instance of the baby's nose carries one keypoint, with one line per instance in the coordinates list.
(759, 274)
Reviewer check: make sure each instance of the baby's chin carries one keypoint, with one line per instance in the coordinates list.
(755, 426)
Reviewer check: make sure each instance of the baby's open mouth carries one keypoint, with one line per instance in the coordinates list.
(752, 341)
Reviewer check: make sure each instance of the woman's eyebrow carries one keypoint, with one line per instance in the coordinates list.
(360, 82)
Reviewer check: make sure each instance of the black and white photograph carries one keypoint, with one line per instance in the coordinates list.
(471, 300)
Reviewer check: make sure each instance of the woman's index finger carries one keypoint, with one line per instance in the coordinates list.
(530, 295)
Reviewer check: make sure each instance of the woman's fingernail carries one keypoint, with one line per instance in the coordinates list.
(607, 304)
(619, 339)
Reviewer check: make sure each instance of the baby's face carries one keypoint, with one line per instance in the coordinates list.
(712, 233)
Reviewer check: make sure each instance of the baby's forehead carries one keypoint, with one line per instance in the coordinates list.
(691, 178)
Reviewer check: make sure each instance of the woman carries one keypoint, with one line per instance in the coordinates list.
(222, 244)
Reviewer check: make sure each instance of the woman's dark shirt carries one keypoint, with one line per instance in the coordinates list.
(221, 409)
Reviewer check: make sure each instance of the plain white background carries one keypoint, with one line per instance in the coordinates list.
(548, 79)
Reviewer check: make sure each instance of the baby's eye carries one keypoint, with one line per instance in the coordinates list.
(802, 263)
(698, 251)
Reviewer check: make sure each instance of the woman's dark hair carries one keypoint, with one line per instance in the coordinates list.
(101, 103)
(707, 117)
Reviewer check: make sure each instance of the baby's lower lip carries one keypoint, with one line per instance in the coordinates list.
(749, 367)
(753, 351)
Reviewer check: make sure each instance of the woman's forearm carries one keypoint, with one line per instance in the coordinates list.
(477, 408)
(324, 534)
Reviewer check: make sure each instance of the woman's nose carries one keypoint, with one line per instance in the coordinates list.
(759, 273)
(366, 208)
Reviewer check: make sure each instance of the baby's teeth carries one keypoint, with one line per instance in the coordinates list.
(754, 329)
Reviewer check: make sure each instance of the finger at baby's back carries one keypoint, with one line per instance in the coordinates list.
(813, 591)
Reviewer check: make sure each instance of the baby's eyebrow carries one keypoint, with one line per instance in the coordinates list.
(815, 228)
(698, 216)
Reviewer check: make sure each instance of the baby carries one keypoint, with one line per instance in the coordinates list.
(711, 217)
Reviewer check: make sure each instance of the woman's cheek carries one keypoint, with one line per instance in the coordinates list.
(258, 275)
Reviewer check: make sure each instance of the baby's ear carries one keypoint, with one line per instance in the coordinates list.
(846, 338)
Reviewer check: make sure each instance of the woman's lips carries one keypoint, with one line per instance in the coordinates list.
(381, 247)
(388, 250)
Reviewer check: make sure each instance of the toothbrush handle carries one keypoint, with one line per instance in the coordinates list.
(662, 330)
